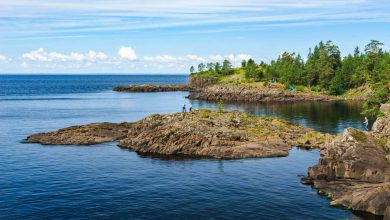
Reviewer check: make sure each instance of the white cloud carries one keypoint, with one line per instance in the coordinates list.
(40, 55)
(24, 65)
(4, 59)
(241, 57)
(216, 58)
(231, 57)
(183, 62)
(127, 53)
(161, 58)
(169, 58)
(196, 58)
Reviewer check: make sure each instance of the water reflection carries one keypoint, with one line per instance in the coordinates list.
(330, 117)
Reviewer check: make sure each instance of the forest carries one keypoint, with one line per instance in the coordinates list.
(324, 70)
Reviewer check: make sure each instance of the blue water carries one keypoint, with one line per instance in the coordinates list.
(104, 181)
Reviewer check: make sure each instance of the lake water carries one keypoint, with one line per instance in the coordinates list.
(104, 181)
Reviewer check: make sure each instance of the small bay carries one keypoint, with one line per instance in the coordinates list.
(104, 181)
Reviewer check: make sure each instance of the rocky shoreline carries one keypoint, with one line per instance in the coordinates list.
(201, 133)
(90, 134)
(229, 93)
(205, 88)
(152, 88)
(245, 94)
(354, 169)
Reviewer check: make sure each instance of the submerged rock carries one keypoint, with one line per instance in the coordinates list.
(151, 88)
(201, 133)
(354, 169)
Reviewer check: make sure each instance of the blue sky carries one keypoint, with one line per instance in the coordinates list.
(160, 36)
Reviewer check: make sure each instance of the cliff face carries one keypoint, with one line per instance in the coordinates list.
(201, 133)
(354, 169)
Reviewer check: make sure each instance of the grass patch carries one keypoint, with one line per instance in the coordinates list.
(206, 113)
(359, 136)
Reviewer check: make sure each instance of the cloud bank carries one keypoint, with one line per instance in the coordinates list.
(126, 57)
(42, 56)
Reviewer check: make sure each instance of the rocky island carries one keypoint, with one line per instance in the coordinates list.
(152, 88)
(201, 133)
(354, 168)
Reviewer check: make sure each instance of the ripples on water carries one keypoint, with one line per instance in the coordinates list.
(104, 181)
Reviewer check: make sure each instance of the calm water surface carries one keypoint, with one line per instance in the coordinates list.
(104, 181)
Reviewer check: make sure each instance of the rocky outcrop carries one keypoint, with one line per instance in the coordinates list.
(248, 94)
(354, 169)
(199, 82)
(151, 88)
(359, 94)
(217, 135)
(90, 134)
(201, 133)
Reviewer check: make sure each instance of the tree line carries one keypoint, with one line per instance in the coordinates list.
(225, 68)
(324, 69)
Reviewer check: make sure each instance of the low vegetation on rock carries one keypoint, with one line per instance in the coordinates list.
(201, 133)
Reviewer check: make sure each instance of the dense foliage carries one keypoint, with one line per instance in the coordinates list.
(324, 69)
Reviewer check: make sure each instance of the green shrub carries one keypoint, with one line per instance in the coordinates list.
(316, 88)
(206, 113)
(379, 95)
(232, 117)
(300, 88)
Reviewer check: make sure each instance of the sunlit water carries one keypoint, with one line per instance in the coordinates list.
(104, 181)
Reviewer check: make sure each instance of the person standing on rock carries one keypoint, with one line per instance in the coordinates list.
(365, 123)
(184, 107)
(190, 107)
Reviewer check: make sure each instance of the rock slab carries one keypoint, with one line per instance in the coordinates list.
(201, 133)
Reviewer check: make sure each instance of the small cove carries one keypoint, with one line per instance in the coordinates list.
(106, 181)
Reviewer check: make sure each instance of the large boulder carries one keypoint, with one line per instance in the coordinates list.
(354, 169)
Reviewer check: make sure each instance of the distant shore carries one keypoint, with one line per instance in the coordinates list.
(207, 88)
(152, 88)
